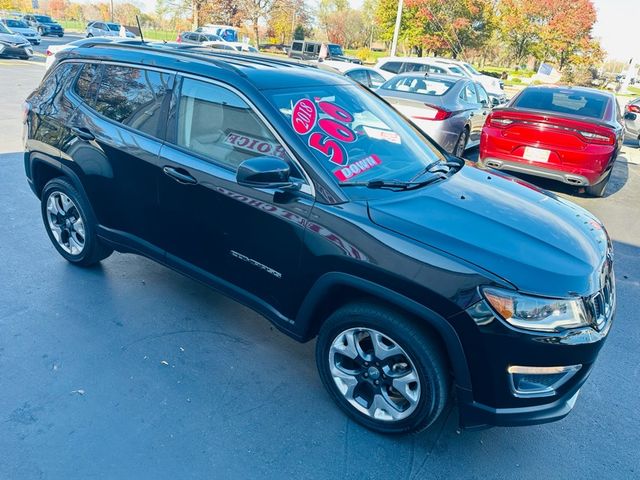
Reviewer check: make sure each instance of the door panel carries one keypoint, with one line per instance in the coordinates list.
(113, 141)
(249, 237)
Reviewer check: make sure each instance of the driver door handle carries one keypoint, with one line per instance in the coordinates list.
(180, 175)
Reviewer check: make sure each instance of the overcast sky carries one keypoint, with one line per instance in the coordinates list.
(617, 25)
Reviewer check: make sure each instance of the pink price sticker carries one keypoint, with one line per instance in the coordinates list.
(304, 116)
(357, 167)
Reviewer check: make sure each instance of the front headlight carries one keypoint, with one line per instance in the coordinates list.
(537, 313)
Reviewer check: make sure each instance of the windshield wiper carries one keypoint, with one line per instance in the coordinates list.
(394, 184)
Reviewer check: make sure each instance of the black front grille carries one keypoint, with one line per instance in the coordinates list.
(602, 303)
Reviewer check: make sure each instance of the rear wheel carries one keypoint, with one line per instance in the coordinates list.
(381, 369)
(598, 189)
(69, 224)
(461, 144)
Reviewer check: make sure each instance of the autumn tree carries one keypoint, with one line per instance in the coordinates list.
(286, 16)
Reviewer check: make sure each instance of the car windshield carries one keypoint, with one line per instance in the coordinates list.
(353, 133)
(435, 87)
(569, 102)
(43, 19)
(114, 27)
(15, 24)
(4, 29)
(335, 50)
(471, 69)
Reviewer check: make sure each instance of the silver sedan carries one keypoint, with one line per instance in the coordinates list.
(451, 110)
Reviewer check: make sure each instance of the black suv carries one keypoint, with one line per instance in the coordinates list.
(44, 24)
(314, 202)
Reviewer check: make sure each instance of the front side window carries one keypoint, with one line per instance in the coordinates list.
(359, 76)
(353, 134)
(217, 124)
(132, 96)
(335, 50)
(297, 46)
(43, 19)
(309, 47)
(114, 27)
(376, 79)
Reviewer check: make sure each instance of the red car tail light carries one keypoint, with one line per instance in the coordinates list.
(438, 113)
(633, 108)
(48, 53)
(593, 137)
(499, 122)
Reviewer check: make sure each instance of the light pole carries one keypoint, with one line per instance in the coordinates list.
(396, 30)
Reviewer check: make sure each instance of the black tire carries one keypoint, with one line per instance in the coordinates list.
(598, 190)
(61, 35)
(461, 143)
(89, 35)
(426, 358)
(25, 57)
(93, 250)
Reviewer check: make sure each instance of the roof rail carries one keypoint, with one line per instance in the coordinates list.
(163, 48)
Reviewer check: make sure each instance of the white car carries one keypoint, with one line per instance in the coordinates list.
(20, 27)
(53, 50)
(106, 29)
(369, 77)
(235, 46)
(492, 85)
(443, 66)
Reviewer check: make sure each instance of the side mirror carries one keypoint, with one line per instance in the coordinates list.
(484, 103)
(630, 116)
(266, 172)
(495, 102)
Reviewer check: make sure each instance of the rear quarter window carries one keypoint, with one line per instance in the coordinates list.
(133, 96)
(568, 102)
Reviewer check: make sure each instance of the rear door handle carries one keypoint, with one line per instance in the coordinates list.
(83, 133)
(180, 175)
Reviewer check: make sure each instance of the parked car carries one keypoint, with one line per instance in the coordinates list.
(397, 65)
(632, 121)
(307, 50)
(44, 25)
(451, 110)
(20, 27)
(14, 44)
(106, 29)
(226, 32)
(53, 50)
(493, 86)
(197, 38)
(421, 275)
(569, 134)
(371, 78)
(233, 46)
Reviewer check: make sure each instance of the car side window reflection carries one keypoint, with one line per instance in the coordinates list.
(133, 96)
(218, 125)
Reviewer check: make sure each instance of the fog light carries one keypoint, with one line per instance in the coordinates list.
(539, 381)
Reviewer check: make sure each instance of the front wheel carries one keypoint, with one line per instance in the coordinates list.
(69, 224)
(381, 369)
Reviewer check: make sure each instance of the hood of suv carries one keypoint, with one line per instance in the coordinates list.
(534, 240)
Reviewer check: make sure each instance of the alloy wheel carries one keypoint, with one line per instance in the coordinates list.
(374, 374)
(66, 223)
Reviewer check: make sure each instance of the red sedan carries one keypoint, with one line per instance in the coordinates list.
(569, 134)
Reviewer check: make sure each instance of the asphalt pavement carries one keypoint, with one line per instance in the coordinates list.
(132, 371)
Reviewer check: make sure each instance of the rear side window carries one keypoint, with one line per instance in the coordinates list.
(393, 67)
(218, 125)
(359, 76)
(569, 102)
(309, 47)
(468, 93)
(87, 83)
(132, 96)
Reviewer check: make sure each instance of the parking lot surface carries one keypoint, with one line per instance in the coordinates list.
(130, 370)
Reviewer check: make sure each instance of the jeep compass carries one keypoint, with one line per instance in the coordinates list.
(308, 198)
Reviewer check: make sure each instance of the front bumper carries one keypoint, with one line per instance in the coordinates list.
(16, 50)
(494, 347)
